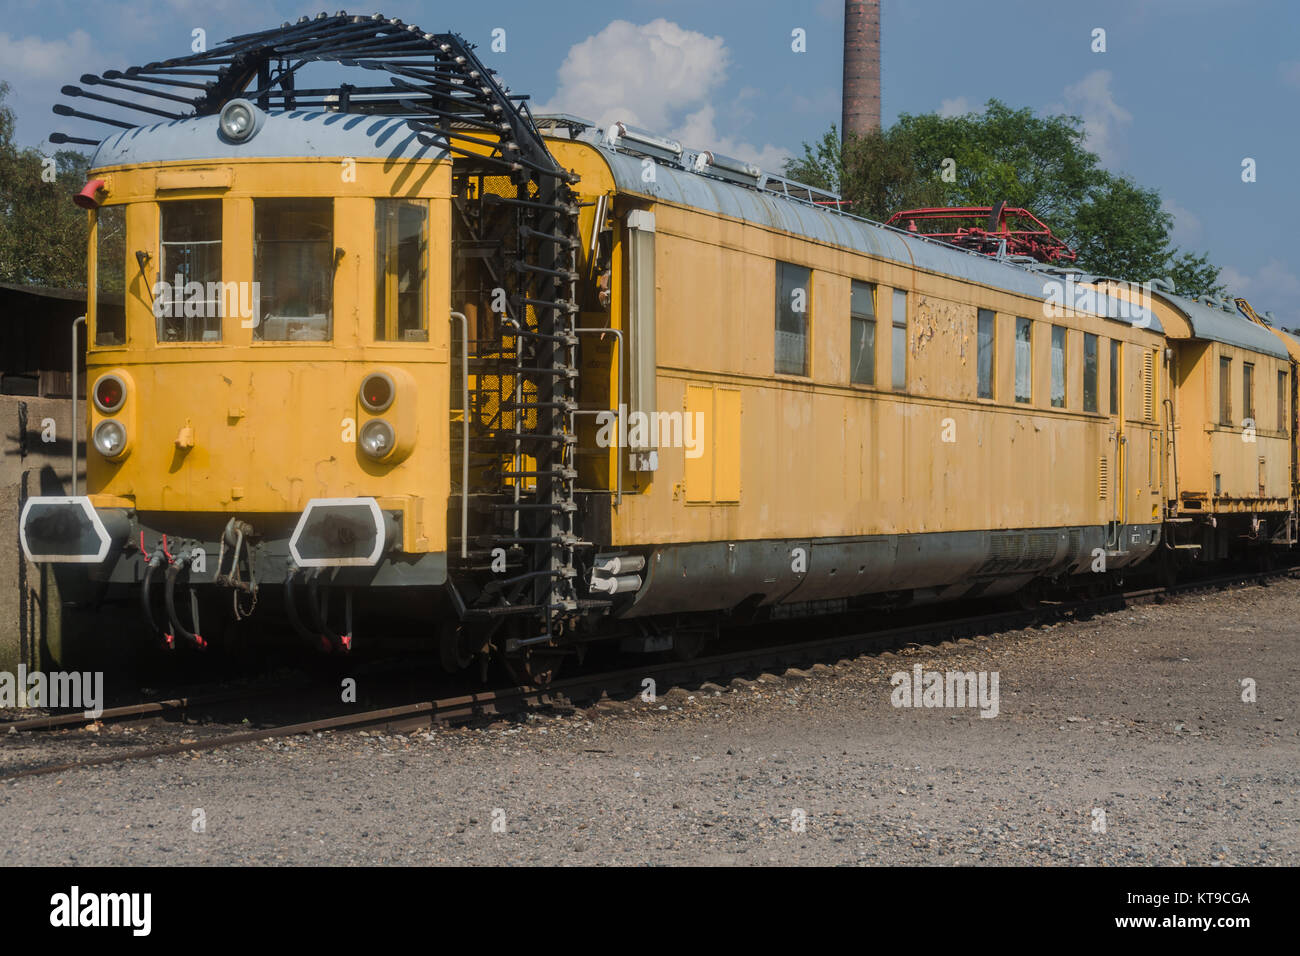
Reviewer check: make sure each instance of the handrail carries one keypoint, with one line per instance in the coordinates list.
(464, 432)
(81, 319)
(1173, 446)
(618, 414)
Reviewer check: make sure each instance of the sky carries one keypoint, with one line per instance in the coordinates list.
(1184, 93)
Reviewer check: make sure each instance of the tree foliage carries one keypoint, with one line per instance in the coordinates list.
(1117, 227)
(42, 234)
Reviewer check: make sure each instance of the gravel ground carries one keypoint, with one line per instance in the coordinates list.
(1138, 714)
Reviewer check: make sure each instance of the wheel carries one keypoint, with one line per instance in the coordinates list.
(535, 667)
(689, 642)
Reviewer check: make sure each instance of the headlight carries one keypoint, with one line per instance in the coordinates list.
(110, 438)
(377, 392)
(109, 394)
(238, 120)
(377, 438)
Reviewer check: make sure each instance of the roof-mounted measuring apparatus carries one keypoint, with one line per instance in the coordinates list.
(726, 167)
(643, 143)
(801, 192)
(551, 124)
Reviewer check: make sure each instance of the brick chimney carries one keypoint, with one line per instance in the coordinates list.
(861, 67)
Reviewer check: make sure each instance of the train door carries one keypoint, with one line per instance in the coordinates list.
(1118, 450)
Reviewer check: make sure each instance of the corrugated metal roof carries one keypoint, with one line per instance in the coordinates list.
(684, 188)
(296, 133)
(1231, 328)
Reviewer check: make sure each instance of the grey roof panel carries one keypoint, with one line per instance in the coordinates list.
(1231, 328)
(685, 188)
(295, 133)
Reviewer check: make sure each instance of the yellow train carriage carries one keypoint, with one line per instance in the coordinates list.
(1230, 450)
(929, 424)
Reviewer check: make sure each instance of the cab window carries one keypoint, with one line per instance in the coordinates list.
(110, 275)
(401, 264)
(188, 301)
(293, 265)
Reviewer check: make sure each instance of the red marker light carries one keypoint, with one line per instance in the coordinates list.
(110, 393)
(376, 392)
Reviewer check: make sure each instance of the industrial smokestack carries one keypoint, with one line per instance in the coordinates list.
(861, 67)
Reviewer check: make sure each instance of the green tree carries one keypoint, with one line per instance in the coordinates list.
(42, 234)
(1117, 227)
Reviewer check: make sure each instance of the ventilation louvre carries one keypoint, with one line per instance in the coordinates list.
(1148, 386)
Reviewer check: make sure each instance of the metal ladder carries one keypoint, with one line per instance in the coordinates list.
(525, 367)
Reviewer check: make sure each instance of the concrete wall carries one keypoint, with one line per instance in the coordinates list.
(32, 596)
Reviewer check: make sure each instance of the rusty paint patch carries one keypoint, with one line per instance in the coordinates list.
(935, 316)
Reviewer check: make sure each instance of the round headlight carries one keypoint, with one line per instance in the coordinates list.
(109, 394)
(377, 392)
(377, 438)
(110, 438)
(238, 120)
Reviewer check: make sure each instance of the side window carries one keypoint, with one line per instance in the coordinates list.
(1114, 376)
(1058, 366)
(110, 275)
(1225, 391)
(900, 339)
(1089, 372)
(189, 263)
(1248, 391)
(793, 301)
(401, 269)
(293, 265)
(862, 334)
(1024, 360)
(1283, 403)
(985, 352)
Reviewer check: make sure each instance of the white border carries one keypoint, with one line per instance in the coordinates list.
(369, 561)
(105, 542)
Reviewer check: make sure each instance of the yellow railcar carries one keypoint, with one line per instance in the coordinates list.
(549, 384)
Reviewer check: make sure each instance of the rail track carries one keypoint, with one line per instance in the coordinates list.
(613, 684)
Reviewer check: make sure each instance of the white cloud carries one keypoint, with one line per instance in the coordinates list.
(957, 106)
(27, 59)
(1273, 287)
(658, 76)
(1187, 227)
(645, 75)
(1103, 119)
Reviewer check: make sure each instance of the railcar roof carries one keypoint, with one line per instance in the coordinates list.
(281, 135)
(685, 188)
(1230, 328)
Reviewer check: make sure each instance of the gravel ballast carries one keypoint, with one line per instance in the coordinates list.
(1122, 740)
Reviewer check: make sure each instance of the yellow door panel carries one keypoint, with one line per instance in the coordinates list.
(699, 470)
(726, 444)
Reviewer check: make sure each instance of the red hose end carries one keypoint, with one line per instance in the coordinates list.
(88, 198)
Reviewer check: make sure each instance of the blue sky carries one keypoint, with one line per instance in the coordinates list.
(1185, 91)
